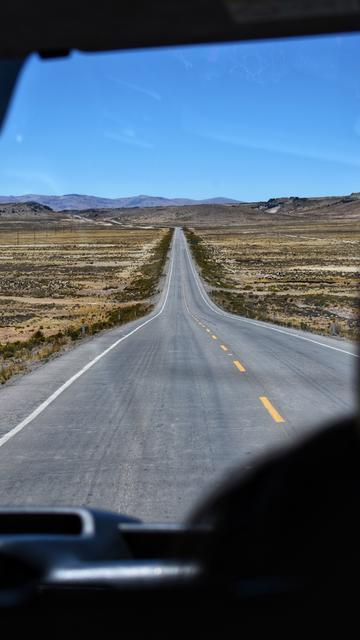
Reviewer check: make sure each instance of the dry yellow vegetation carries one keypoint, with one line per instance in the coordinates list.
(64, 281)
(303, 275)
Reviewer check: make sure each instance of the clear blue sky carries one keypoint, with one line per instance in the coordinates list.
(247, 120)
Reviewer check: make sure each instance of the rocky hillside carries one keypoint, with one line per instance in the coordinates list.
(335, 208)
(28, 211)
(276, 210)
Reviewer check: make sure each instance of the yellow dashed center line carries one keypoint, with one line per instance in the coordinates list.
(274, 414)
(239, 366)
(265, 401)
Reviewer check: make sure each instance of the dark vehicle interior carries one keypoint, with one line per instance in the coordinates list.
(277, 549)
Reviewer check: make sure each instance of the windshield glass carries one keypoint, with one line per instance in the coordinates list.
(179, 267)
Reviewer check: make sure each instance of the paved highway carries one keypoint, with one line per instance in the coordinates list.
(147, 417)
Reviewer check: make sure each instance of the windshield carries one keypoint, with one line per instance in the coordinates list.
(179, 267)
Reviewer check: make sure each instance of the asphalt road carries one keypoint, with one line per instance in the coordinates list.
(146, 418)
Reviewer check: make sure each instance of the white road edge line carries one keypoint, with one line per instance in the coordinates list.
(255, 322)
(19, 427)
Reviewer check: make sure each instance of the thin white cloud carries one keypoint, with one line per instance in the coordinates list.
(130, 133)
(280, 147)
(135, 87)
(180, 56)
(128, 136)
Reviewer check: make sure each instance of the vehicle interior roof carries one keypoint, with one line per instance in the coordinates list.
(53, 28)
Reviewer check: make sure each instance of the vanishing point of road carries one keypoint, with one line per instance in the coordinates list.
(146, 418)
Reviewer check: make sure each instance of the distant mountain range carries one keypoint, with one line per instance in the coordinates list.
(74, 201)
(333, 208)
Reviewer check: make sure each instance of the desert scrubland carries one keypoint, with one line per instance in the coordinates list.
(68, 274)
(60, 282)
(297, 274)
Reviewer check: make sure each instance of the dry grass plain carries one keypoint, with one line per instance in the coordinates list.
(59, 282)
(298, 274)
